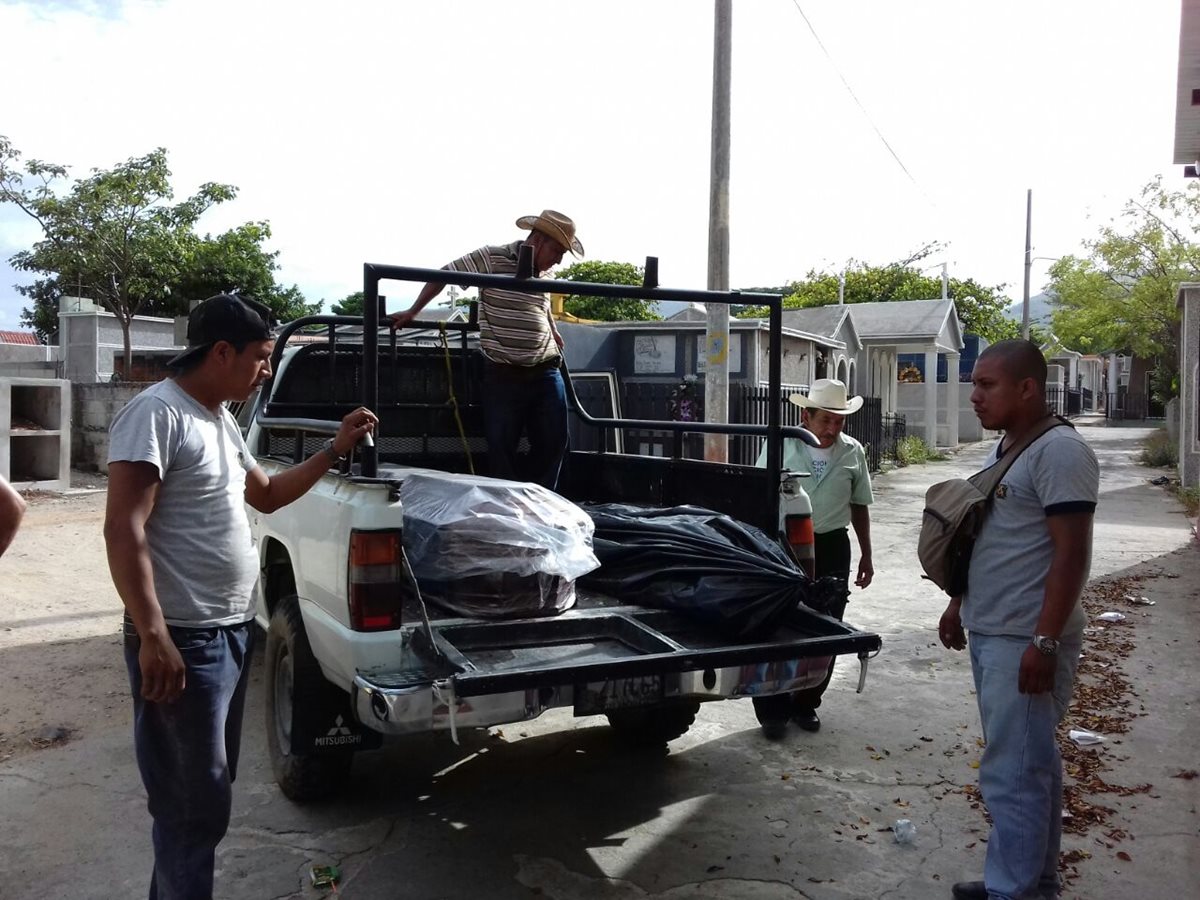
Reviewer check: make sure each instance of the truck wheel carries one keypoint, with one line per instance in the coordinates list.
(294, 682)
(653, 726)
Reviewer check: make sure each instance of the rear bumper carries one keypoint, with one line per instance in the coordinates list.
(400, 709)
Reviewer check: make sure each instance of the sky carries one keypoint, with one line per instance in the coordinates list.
(409, 133)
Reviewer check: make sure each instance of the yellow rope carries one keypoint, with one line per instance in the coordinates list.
(453, 400)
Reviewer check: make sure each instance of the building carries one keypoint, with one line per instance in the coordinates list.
(90, 339)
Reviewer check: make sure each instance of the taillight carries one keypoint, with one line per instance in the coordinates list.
(799, 533)
(376, 576)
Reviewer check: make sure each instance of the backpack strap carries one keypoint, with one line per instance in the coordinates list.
(989, 479)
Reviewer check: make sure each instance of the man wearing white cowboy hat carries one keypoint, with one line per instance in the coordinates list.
(840, 491)
(523, 389)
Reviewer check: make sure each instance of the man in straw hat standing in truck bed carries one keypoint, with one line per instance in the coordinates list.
(523, 388)
(839, 487)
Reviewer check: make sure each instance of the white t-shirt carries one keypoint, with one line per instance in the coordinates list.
(204, 562)
(820, 460)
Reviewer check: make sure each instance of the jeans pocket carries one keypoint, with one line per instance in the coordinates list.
(192, 638)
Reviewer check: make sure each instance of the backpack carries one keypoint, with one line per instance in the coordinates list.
(954, 514)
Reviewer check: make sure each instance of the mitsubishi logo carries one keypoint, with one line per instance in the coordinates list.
(340, 735)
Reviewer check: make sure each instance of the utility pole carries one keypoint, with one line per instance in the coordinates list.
(945, 283)
(1028, 261)
(716, 343)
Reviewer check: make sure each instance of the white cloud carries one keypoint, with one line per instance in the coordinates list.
(410, 133)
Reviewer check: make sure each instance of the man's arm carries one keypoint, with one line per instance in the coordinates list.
(402, 318)
(132, 492)
(269, 494)
(860, 519)
(1071, 535)
(554, 330)
(950, 630)
(12, 508)
(861, 498)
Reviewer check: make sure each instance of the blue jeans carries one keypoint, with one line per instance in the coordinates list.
(1020, 774)
(532, 403)
(187, 753)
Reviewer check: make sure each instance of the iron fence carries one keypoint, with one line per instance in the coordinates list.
(894, 429)
(879, 438)
(878, 433)
(1124, 405)
(748, 404)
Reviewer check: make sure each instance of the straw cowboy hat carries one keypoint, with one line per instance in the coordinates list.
(828, 394)
(555, 225)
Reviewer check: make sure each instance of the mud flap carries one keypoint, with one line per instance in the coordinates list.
(326, 724)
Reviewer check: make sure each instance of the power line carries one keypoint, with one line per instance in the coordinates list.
(859, 103)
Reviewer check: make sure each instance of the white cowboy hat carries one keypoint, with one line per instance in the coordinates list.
(828, 394)
(555, 225)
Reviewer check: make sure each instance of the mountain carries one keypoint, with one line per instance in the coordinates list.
(1040, 307)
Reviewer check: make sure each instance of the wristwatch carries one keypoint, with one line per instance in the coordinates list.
(334, 456)
(1047, 646)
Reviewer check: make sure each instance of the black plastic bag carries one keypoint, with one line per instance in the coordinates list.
(696, 561)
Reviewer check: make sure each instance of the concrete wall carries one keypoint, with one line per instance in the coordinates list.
(91, 339)
(35, 432)
(796, 368)
(29, 361)
(910, 403)
(1189, 385)
(588, 348)
(27, 353)
(93, 407)
(29, 370)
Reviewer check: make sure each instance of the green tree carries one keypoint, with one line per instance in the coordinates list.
(1122, 294)
(981, 308)
(42, 314)
(606, 309)
(113, 234)
(236, 262)
(350, 305)
(116, 238)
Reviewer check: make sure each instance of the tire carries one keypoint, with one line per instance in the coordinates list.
(294, 681)
(653, 726)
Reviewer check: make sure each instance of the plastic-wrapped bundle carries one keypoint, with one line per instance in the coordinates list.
(707, 565)
(492, 548)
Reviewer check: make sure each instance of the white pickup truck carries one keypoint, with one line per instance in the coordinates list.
(354, 655)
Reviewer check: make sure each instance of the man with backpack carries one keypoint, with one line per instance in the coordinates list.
(1021, 606)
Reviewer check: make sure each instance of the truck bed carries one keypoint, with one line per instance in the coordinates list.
(596, 657)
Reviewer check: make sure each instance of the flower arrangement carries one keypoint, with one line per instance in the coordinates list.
(683, 404)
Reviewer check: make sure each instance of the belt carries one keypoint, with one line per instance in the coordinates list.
(513, 371)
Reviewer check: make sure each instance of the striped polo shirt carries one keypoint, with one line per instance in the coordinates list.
(514, 326)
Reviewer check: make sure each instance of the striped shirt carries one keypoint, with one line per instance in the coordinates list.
(514, 326)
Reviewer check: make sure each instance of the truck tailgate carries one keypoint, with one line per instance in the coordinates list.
(628, 642)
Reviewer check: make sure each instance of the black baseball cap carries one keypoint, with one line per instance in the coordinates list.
(225, 317)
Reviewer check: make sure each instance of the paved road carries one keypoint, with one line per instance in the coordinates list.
(555, 809)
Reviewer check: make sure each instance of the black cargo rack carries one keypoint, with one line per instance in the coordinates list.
(374, 273)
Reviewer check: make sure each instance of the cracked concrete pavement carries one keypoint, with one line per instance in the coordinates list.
(556, 809)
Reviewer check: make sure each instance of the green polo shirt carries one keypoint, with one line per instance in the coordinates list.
(846, 481)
